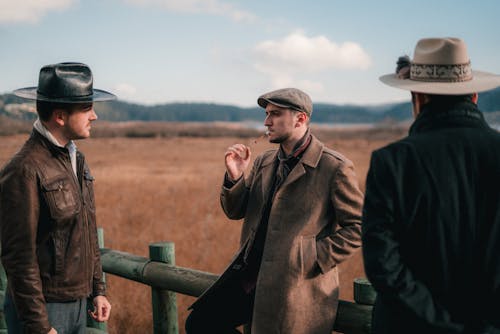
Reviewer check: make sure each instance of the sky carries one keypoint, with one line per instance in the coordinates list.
(229, 52)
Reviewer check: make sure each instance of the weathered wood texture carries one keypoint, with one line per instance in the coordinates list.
(352, 318)
(164, 301)
(92, 325)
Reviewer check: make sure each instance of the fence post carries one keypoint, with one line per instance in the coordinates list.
(92, 325)
(164, 301)
(365, 294)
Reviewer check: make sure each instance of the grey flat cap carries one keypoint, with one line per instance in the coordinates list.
(292, 98)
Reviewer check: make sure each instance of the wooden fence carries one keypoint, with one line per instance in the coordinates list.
(352, 318)
(165, 279)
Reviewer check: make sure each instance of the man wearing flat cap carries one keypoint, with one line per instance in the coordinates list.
(301, 211)
(47, 212)
(431, 217)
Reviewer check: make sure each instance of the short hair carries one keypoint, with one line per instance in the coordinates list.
(45, 109)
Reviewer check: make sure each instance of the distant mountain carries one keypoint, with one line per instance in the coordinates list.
(117, 111)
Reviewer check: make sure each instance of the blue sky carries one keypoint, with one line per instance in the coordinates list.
(161, 51)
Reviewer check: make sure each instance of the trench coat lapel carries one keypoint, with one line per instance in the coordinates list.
(294, 175)
(310, 158)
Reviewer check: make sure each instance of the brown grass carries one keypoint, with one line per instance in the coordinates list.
(165, 188)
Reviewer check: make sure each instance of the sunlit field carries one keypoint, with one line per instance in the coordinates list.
(166, 188)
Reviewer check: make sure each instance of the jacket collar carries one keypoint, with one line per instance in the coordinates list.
(56, 150)
(38, 125)
(462, 114)
(310, 157)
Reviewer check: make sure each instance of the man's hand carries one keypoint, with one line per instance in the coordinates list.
(102, 309)
(237, 159)
(52, 331)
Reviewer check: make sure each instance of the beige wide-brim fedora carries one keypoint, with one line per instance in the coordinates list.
(441, 66)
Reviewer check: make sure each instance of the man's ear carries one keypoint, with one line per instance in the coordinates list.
(60, 117)
(475, 97)
(301, 119)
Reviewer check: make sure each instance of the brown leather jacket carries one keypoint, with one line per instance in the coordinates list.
(48, 230)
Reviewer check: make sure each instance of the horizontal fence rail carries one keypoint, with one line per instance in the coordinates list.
(352, 318)
(156, 274)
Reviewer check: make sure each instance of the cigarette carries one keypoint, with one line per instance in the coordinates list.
(261, 136)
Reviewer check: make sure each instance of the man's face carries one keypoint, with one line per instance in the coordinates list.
(77, 122)
(280, 122)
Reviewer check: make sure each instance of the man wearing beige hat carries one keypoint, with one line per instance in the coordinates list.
(431, 216)
(301, 211)
(47, 211)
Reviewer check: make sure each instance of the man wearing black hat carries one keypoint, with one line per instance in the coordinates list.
(302, 214)
(431, 217)
(47, 211)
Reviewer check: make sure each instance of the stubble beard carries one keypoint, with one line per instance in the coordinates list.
(277, 140)
(82, 134)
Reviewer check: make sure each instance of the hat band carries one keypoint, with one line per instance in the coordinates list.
(441, 73)
(56, 96)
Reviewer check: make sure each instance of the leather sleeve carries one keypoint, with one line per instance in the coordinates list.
(98, 284)
(19, 210)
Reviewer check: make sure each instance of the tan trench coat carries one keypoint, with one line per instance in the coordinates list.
(315, 221)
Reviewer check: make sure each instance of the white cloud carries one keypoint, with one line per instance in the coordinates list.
(212, 7)
(289, 60)
(298, 53)
(29, 11)
(124, 91)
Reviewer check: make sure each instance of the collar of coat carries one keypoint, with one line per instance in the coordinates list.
(462, 114)
(55, 150)
(310, 157)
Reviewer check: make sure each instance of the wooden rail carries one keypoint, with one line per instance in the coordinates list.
(165, 279)
(352, 318)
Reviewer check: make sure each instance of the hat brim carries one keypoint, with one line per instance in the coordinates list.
(264, 102)
(32, 94)
(481, 81)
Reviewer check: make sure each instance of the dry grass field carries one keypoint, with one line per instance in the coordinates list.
(166, 188)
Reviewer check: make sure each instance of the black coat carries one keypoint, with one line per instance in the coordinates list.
(431, 226)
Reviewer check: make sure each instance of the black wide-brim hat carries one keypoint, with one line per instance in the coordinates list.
(65, 83)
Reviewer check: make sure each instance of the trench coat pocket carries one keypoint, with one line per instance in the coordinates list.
(309, 256)
(61, 199)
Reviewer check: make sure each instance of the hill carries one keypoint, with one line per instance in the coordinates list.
(117, 111)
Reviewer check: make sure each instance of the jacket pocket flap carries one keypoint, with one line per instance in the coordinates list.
(53, 186)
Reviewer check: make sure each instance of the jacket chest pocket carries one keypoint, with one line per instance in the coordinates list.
(61, 199)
